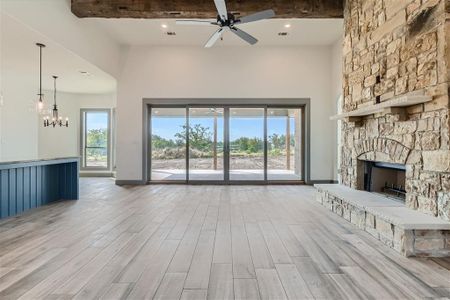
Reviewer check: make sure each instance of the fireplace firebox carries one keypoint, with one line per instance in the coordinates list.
(385, 178)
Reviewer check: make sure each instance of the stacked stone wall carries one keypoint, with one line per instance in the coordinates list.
(394, 48)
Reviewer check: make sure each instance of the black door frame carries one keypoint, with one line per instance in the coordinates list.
(302, 104)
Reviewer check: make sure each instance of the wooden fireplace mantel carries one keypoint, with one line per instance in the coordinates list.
(398, 102)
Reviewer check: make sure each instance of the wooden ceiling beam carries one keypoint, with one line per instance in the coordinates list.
(204, 9)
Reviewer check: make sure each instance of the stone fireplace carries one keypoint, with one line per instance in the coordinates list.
(385, 179)
(395, 50)
(395, 125)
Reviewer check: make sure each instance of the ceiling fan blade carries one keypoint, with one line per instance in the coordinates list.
(221, 9)
(262, 15)
(214, 38)
(195, 22)
(244, 35)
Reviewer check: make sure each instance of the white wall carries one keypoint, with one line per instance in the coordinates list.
(17, 106)
(336, 86)
(228, 72)
(60, 142)
(22, 135)
(54, 19)
(18, 118)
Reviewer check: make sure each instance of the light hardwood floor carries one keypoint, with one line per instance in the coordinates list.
(198, 242)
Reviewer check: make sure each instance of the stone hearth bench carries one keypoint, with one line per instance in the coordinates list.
(409, 232)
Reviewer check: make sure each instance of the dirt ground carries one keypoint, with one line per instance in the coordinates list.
(244, 163)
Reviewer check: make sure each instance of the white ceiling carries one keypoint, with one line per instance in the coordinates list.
(20, 55)
(302, 32)
(20, 61)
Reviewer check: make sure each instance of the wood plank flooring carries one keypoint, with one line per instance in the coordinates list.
(203, 242)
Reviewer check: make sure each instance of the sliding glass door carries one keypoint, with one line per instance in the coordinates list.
(284, 141)
(246, 144)
(206, 144)
(168, 144)
(226, 144)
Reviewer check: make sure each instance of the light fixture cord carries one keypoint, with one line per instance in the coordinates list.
(54, 87)
(40, 73)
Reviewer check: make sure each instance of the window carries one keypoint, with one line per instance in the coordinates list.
(226, 143)
(95, 139)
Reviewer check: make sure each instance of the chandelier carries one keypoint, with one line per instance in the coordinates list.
(56, 120)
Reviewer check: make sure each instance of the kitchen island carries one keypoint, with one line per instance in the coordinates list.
(28, 184)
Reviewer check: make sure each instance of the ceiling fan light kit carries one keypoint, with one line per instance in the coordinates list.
(228, 21)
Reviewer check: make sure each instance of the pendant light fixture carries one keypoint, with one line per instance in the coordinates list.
(40, 103)
(56, 119)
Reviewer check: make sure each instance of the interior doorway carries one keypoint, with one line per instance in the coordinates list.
(226, 144)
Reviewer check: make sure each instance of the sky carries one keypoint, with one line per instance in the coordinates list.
(97, 120)
(239, 127)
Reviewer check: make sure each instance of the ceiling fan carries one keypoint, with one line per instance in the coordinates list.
(227, 21)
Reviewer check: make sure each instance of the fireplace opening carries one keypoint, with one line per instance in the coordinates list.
(385, 178)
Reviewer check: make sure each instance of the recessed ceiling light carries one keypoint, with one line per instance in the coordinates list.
(164, 26)
(85, 73)
(287, 26)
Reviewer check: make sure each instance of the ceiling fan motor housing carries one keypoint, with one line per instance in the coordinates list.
(229, 22)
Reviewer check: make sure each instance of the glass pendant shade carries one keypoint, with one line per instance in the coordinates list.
(40, 103)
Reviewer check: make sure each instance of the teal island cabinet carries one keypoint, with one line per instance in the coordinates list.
(25, 185)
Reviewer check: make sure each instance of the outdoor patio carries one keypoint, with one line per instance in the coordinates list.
(217, 175)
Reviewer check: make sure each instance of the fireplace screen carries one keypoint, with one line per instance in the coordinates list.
(385, 178)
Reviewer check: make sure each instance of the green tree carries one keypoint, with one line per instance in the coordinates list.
(277, 141)
(254, 145)
(162, 143)
(200, 137)
(249, 145)
(97, 142)
(96, 138)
